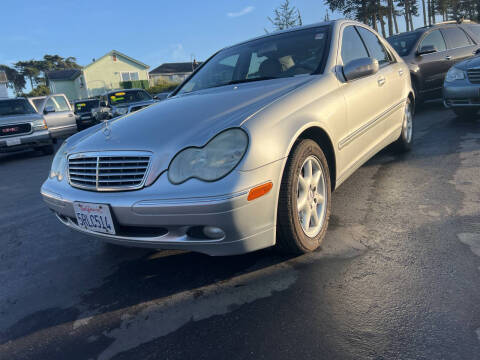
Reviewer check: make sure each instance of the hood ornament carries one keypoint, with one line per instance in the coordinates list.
(107, 130)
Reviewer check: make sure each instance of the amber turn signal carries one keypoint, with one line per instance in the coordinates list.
(259, 191)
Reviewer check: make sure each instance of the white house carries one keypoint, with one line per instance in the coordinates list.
(3, 85)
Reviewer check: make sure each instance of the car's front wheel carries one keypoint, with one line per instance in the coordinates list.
(465, 112)
(304, 202)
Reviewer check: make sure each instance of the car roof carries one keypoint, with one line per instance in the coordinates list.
(439, 25)
(83, 100)
(118, 90)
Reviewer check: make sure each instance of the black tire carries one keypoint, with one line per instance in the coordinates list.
(290, 236)
(404, 142)
(47, 149)
(465, 112)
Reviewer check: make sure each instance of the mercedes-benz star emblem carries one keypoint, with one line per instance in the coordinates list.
(106, 130)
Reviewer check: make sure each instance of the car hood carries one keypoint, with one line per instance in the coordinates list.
(17, 119)
(185, 120)
(473, 62)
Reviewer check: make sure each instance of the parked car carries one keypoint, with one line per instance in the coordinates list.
(430, 51)
(461, 89)
(122, 102)
(58, 114)
(85, 112)
(246, 153)
(21, 127)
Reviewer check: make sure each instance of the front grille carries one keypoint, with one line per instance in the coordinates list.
(17, 129)
(474, 76)
(108, 172)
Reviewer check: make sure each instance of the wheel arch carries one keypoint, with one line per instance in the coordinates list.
(321, 137)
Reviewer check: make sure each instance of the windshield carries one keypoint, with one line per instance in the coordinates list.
(38, 102)
(277, 56)
(15, 107)
(85, 106)
(128, 96)
(403, 43)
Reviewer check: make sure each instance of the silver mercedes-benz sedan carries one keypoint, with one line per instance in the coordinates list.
(246, 152)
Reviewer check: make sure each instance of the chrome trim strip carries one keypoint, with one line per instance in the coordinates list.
(202, 200)
(346, 173)
(361, 130)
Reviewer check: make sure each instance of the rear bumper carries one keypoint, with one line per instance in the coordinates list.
(145, 219)
(461, 95)
(35, 139)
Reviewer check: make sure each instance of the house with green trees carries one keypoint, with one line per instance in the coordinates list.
(113, 70)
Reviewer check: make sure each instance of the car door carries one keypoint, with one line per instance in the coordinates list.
(433, 66)
(460, 46)
(61, 121)
(367, 99)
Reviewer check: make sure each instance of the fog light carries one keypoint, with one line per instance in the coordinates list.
(213, 232)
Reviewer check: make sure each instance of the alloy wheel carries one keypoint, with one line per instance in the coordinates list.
(311, 196)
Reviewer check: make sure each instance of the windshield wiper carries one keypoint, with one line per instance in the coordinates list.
(249, 80)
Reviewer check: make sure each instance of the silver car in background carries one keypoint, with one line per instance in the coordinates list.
(246, 152)
(58, 114)
(461, 89)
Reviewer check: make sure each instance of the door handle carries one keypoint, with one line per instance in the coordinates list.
(400, 72)
(381, 81)
(70, 115)
(448, 57)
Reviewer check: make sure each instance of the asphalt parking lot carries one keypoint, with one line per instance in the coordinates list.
(397, 277)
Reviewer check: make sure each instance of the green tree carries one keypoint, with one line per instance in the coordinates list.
(29, 69)
(285, 16)
(16, 81)
(40, 90)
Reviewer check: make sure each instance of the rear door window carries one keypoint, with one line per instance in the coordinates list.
(352, 45)
(456, 38)
(434, 39)
(374, 46)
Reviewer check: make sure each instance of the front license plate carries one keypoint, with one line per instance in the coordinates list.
(13, 142)
(94, 217)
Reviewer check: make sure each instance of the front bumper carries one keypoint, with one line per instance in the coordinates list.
(32, 140)
(461, 94)
(154, 217)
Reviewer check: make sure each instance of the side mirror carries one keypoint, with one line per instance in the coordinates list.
(155, 97)
(359, 68)
(103, 104)
(427, 49)
(48, 109)
(477, 51)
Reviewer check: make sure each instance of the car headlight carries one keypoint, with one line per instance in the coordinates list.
(39, 124)
(211, 162)
(121, 111)
(454, 74)
(59, 163)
